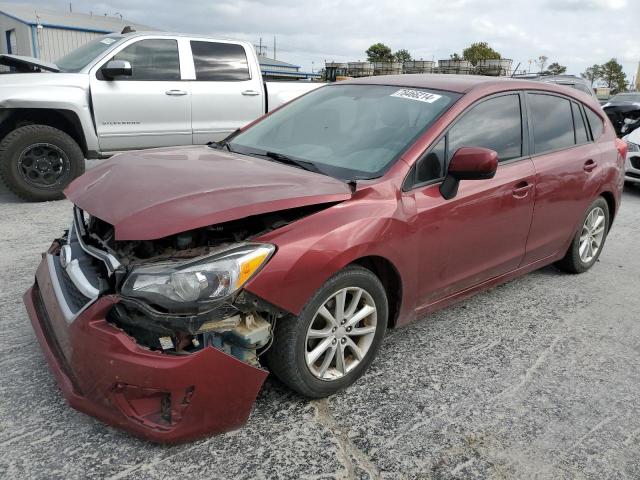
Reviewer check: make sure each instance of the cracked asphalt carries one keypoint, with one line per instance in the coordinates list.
(538, 378)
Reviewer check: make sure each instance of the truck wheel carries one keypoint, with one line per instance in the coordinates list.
(37, 162)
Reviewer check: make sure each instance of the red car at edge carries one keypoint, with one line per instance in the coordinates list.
(296, 242)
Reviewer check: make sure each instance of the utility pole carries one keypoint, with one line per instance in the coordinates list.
(274, 47)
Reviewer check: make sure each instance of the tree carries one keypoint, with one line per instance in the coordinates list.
(556, 69)
(455, 57)
(613, 76)
(379, 52)
(592, 74)
(541, 62)
(479, 51)
(402, 56)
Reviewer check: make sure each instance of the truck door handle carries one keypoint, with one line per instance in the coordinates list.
(250, 93)
(521, 190)
(175, 93)
(589, 166)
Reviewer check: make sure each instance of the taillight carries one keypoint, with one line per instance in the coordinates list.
(621, 146)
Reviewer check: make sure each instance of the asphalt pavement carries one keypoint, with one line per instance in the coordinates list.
(538, 378)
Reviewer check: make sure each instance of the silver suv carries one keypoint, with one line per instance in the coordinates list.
(567, 80)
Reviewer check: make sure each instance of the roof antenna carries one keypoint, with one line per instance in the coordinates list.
(128, 29)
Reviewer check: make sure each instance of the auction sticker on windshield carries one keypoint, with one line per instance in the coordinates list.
(419, 95)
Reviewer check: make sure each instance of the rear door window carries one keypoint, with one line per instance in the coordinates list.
(495, 124)
(220, 62)
(552, 122)
(580, 127)
(595, 122)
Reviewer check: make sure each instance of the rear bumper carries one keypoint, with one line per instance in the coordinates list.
(104, 373)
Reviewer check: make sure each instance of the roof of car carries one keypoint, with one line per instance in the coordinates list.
(449, 82)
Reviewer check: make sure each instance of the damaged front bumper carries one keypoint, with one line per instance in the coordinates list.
(103, 372)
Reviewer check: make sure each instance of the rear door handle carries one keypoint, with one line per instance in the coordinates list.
(589, 166)
(175, 93)
(521, 190)
(250, 93)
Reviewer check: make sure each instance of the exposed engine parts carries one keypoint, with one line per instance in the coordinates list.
(239, 325)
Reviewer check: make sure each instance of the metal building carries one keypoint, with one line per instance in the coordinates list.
(273, 69)
(50, 34)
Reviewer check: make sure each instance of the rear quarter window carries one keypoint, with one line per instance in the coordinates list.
(595, 123)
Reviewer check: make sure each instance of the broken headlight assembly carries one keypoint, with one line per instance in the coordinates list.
(195, 284)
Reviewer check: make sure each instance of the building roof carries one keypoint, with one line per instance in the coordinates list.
(32, 15)
(272, 62)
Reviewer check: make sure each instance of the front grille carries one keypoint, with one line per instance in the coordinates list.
(73, 298)
(635, 162)
(76, 300)
(51, 339)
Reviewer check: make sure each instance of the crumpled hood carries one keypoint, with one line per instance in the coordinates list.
(24, 63)
(155, 193)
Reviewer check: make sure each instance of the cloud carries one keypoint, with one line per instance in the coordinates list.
(575, 5)
(575, 33)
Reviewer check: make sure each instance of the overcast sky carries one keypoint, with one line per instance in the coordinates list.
(575, 33)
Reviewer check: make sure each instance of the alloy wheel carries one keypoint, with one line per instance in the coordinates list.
(592, 235)
(341, 333)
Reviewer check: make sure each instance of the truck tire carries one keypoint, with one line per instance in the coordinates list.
(37, 162)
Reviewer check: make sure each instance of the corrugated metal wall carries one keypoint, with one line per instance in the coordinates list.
(23, 35)
(54, 43)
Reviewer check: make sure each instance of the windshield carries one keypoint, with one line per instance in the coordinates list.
(346, 131)
(79, 58)
(626, 98)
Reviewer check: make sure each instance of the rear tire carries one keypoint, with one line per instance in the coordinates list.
(589, 240)
(37, 162)
(296, 338)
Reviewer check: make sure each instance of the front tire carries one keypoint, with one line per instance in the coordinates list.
(37, 162)
(336, 336)
(588, 242)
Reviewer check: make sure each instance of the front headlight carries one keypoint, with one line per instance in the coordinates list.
(631, 147)
(192, 284)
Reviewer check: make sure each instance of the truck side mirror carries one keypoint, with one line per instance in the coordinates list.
(116, 68)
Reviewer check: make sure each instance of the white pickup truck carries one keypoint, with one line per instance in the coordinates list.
(123, 92)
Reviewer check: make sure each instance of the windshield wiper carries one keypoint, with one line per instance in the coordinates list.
(224, 143)
(282, 158)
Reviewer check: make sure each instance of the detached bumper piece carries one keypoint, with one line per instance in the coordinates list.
(104, 373)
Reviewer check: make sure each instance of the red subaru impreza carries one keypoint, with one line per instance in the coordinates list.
(296, 242)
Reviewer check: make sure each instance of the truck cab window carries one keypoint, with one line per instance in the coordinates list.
(220, 62)
(155, 59)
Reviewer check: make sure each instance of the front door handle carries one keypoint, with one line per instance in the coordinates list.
(589, 166)
(521, 190)
(250, 93)
(175, 93)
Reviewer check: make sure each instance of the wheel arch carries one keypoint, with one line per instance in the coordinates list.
(611, 203)
(391, 280)
(64, 120)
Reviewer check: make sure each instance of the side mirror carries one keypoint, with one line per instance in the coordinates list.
(116, 68)
(468, 163)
